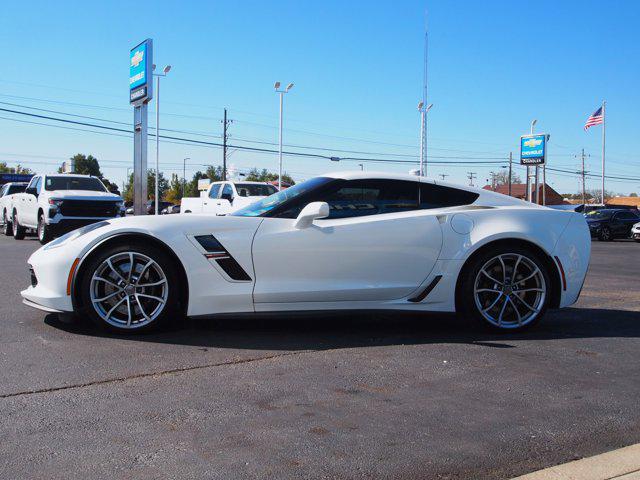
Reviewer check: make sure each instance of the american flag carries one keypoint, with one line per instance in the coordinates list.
(596, 118)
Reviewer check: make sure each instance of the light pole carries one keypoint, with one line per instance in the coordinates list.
(361, 167)
(184, 173)
(165, 70)
(529, 192)
(423, 135)
(276, 86)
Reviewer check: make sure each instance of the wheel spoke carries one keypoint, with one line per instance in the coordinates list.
(141, 307)
(504, 305)
(115, 306)
(154, 284)
(515, 267)
(535, 272)
(144, 269)
(131, 264)
(504, 270)
(531, 290)
(128, 311)
(158, 299)
(526, 304)
(115, 271)
(481, 290)
(493, 304)
(483, 271)
(99, 300)
(100, 279)
(516, 310)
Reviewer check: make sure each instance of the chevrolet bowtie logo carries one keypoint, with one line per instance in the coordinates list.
(533, 142)
(137, 58)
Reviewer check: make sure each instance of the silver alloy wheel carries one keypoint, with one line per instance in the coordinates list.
(129, 290)
(509, 290)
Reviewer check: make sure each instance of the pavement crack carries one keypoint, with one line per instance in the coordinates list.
(171, 371)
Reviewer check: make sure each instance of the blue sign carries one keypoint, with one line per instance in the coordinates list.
(14, 177)
(140, 72)
(533, 149)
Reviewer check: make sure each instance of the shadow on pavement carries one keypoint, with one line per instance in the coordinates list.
(321, 331)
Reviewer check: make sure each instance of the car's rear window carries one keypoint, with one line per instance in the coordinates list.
(15, 189)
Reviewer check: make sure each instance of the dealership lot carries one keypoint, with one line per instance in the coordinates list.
(350, 396)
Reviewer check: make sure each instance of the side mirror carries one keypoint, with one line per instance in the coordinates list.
(31, 191)
(227, 196)
(310, 213)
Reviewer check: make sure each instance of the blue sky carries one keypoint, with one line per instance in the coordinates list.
(357, 69)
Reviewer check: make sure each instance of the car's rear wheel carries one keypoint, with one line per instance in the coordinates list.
(130, 288)
(605, 234)
(44, 231)
(18, 231)
(506, 289)
(7, 226)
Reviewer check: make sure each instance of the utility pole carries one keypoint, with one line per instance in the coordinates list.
(471, 176)
(225, 135)
(510, 166)
(583, 173)
(443, 175)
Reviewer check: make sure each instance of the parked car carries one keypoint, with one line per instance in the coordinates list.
(223, 198)
(151, 206)
(635, 232)
(8, 192)
(360, 240)
(55, 204)
(170, 210)
(608, 224)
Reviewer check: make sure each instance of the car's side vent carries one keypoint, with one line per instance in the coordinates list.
(427, 290)
(217, 252)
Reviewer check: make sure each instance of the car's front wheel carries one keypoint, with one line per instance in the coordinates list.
(7, 226)
(44, 231)
(18, 230)
(605, 234)
(505, 288)
(130, 288)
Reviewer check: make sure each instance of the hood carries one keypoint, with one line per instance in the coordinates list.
(84, 195)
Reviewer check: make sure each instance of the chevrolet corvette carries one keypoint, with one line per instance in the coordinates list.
(350, 241)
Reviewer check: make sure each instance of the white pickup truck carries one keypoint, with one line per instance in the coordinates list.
(8, 192)
(55, 204)
(222, 198)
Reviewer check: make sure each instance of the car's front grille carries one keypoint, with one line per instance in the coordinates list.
(34, 280)
(88, 208)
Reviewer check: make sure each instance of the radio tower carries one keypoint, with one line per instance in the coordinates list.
(423, 133)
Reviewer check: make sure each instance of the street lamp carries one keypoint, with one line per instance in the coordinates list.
(361, 167)
(184, 173)
(165, 70)
(276, 86)
(423, 135)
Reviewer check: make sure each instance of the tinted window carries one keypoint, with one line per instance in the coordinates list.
(227, 190)
(626, 216)
(33, 182)
(2, 190)
(213, 193)
(253, 190)
(15, 189)
(39, 185)
(438, 196)
(74, 183)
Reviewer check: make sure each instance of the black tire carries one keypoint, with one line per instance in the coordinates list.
(605, 235)
(44, 231)
(167, 313)
(467, 303)
(7, 226)
(18, 230)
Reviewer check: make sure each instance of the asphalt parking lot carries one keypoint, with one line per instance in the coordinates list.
(353, 396)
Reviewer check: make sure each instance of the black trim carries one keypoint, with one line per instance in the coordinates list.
(215, 250)
(422, 295)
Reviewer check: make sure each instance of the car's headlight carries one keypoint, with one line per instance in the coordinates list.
(64, 239)
(120, 204)
(55, 202)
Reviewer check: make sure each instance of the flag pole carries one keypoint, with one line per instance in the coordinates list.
(604, 121)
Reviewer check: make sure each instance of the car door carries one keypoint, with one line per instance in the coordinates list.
(375, 245)
(622, 223)
(224, 204)
(210, 202)
(28, 207)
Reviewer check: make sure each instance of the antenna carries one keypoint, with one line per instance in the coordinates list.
(471, 176)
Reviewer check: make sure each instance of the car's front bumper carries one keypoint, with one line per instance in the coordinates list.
(49, 277)
(63, 225)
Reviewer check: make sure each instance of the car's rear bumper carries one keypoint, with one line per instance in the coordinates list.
(572, 254)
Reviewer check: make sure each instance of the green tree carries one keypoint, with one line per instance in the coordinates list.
(264, 175)
(174, 193)
(163, 186)
(192, 186)
(18, 169)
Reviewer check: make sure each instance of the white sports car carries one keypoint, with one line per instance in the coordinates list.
(340, 241)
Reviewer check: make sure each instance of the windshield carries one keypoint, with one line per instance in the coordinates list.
(16, 189)
(74, 183)
(598, 215)
(264, 206)
(255, 190)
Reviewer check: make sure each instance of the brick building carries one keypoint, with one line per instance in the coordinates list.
(519, 190)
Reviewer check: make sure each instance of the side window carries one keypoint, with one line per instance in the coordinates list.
(625, 216)
(227, 191)
(33, 182)
(215, 189)
(2, 190)
(39, 185)
(438, 196)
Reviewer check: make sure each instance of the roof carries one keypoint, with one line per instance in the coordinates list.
(629, 201)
